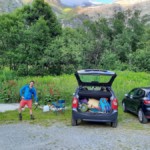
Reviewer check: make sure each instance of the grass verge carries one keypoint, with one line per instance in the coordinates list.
(41, 118)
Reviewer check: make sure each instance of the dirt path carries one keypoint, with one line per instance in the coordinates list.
(6, 107)
(23, 136)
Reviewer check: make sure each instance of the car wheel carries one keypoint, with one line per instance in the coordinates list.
(114, 124)
(142, 117)
(73, 122)
(124, 107)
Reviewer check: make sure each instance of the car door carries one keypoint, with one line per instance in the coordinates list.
(130, 100)
(137, 99)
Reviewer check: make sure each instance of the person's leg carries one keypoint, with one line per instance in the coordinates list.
(31, 115)
(20, 113)
(20, 109)
(30, 109)
(22, 104)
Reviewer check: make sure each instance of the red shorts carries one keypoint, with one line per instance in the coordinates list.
(26, 102)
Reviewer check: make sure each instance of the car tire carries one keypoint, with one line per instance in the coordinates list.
(73, 122)
(124, 107)
(142, 117)
(114, 124)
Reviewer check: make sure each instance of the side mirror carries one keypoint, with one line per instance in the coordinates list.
(131, 96)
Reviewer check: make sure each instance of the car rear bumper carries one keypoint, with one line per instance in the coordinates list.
(146, 111)
(95, 117)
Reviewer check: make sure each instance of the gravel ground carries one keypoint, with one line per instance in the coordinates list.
(23, 136)
(89, 136)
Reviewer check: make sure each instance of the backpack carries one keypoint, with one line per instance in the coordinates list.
(104, 105)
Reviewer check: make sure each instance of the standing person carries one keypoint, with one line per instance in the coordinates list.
(26, 93)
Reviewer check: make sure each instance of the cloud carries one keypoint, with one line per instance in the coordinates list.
(73, 3)
(95, 2)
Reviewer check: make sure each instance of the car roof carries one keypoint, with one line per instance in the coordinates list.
(144, 88)
(147, 89)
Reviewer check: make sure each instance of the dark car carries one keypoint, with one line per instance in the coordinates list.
(94, 88)
(137, 101)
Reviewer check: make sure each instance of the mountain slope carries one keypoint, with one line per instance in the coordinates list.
(9, 5)
(107, 10)
(93, 11)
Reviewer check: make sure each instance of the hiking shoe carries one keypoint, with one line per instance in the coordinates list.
(20, 117)
(32, 117)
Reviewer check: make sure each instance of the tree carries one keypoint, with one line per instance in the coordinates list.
(35, 40)
(140, 60)
(118, 23)
(10, 27)
(136, 26)
(25, 35)
(39, 8)
(98, 34)
(110, 61)
(121, 45)
(63, 55)
(128, 31)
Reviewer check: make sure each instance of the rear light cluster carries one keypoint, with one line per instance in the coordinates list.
(146, 101)
(114, 104)
(74, 102)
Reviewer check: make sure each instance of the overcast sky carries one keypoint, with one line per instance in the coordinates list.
(81, 2)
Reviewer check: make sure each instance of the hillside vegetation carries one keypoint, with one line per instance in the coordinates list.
(63, 87)
(33, 42)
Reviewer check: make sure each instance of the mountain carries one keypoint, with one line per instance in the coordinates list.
(74, 9)
(143, 5)
(9, 5)
(107, 10)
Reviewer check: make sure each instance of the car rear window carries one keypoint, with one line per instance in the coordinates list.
(148, 95)
(95, 78)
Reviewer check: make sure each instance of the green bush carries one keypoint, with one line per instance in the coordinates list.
(22, 70)
(7, 74)
(141, 60)
(62, 87)
(110, 61)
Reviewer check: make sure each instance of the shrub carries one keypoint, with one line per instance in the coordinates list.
(141, 61)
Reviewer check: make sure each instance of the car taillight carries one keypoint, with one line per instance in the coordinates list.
(74, 102)
(146, 101)
(114, 104)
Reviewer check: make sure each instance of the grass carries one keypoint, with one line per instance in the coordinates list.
(41, 118)
(127, 80)
(130, 121)
(66, 10)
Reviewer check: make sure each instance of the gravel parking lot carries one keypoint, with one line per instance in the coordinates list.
(59, 136)
(23, 136)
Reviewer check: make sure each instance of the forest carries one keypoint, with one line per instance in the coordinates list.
(34, 43)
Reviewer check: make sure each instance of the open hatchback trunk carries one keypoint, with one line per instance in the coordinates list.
(94, 77)
(94, 95)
